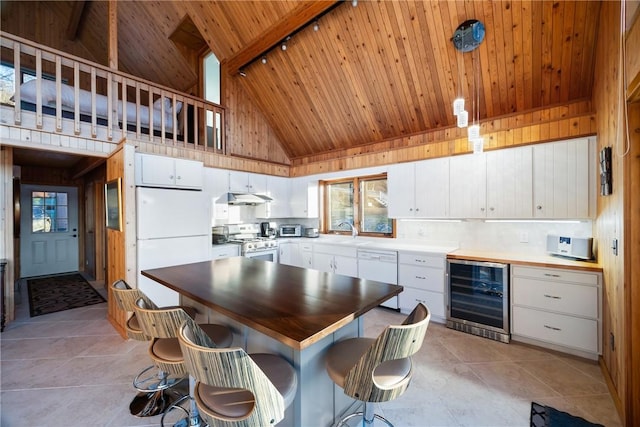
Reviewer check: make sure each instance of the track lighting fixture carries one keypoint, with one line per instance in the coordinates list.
(316, 26)
(354, 3)
(242, 73)
(264, 60)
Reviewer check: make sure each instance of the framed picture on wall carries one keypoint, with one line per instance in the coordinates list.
(113, 204)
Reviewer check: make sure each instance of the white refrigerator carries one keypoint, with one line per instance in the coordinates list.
(173, 227)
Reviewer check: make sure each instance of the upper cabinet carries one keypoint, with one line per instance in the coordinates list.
(304, 198)
(495, 184)
(564, 184)
(419, 189)
(168, 172)
(279, 189)
(245, 182)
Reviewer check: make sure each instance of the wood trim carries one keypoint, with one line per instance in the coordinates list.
(294, 20)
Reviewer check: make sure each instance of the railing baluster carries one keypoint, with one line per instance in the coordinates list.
(76, 98)
(58, 94)
(39, 89)
(17, 78)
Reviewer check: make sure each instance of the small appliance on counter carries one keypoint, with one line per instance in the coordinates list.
(311, 232)
(220, 234)
(572, 247)
(290, 230)
(268, 230)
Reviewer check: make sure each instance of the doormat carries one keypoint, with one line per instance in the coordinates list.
(546, 416)
(61, 292)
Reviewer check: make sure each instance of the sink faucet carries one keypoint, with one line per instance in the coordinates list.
(354, 231)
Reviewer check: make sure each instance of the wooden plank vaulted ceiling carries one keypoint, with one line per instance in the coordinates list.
(377, 71)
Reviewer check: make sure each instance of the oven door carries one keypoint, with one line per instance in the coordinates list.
(266, 255)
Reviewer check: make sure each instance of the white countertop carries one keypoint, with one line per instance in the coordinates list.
(378, 243)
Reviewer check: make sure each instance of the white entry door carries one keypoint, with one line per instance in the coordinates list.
(48, 230)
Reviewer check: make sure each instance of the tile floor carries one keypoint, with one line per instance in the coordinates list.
(71, 368)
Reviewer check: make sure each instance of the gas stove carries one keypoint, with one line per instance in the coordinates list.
(248, 237)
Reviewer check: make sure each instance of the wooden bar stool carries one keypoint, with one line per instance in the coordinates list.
(378, 369)
(162, 324)
(234, 388)
(152, 383)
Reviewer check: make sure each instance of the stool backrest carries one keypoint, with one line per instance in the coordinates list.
(126, 296)
(395, 342)
(159, 322)
(230, 368)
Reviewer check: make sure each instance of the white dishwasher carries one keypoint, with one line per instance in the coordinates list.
(381, 266)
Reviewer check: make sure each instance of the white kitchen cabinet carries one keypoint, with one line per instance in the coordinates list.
(564, 179)
(339, 259)
(496, 184)
(168, 172)
(306, 255)
(304, 198)
(246, 182)
(423, 278)
(557, 308)
(217, 185)
(419, 189)
(279, 189)
(289, 254)
(224, 251)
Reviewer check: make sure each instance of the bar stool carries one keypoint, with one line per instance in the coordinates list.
(234, 388)
(152, 384)
(162, 324)
(378, 369)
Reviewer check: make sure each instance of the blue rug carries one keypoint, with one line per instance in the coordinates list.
(546, 416)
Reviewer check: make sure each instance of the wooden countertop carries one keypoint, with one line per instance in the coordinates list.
(296, 306)
(525, 259)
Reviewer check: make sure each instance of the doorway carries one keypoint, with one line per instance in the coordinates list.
(49, 230)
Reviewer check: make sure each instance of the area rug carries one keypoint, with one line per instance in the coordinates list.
(61, 292)
(546, 416)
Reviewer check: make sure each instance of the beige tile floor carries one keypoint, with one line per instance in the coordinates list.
(71, 368)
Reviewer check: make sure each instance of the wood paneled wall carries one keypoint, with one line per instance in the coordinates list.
(543, 125)
(618, 218)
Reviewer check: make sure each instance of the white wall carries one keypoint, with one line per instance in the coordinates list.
(494, 236)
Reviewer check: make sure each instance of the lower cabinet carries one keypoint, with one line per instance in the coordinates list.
(423, 278)
(306, 255)
(225, 251)
(557, 308)
(336, 259)
(289, 254)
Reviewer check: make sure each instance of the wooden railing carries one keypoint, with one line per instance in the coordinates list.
(75, 97)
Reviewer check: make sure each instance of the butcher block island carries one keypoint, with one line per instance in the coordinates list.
(295, 312)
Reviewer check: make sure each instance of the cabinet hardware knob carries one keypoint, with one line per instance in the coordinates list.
(539, 207)
(551, 275)
(552, 328)
(421, 277)
(481, 209)
(552, 296)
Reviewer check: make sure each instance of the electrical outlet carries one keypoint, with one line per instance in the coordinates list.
(524, 237)
(614, 246)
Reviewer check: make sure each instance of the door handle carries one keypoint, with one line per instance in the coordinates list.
(74, 235)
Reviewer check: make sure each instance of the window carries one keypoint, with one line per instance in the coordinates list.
(49, 212)
(359, 201)
(211, 72)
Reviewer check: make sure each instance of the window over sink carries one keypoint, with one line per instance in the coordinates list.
(357, 202)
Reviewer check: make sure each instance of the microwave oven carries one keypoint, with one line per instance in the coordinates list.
(290, 230)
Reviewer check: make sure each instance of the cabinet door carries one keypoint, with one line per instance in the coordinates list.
(323, 262)
(562, 181)
(257, 183)
(289, 253)
(467, 186)
(346, 266)
(401, 190)
(189, 173)
(304, 198)
(279, 189)
(158, 171)
(217, 184)
(431, 191)
(307, 259)
(509, 183)
(238, 182)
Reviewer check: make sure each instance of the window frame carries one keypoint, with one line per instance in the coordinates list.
(357, 206)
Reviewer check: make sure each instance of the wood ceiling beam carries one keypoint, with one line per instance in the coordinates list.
(304, 13)
(74, 20)
(85, 166)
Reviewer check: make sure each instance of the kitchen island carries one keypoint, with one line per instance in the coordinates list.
(296, 312)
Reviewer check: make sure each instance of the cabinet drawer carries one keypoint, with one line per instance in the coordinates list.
(556, 274)
(339, 250)
(563, 297)
(308, 247)
(425, 278)
(425, 260)
(434, 301)
(556, 328)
